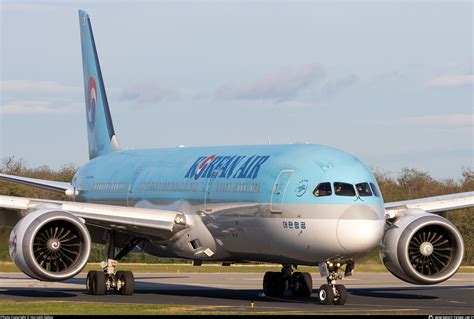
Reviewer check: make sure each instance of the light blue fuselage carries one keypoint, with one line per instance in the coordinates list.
(256, 201)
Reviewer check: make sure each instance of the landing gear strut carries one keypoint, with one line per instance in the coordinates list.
(332, 293)
(277, 284)
(123, 282)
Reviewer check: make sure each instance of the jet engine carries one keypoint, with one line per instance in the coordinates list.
(50, 245)
(422, 248)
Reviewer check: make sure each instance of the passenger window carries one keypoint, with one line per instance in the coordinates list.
(344, 189)
(363, 189)
(323, 189)
(375, 189)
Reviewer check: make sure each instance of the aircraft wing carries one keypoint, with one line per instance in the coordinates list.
(434, 204)
(61, 187)
(154, 222)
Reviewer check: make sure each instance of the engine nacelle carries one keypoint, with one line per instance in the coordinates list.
(50, 245)
(422, 248)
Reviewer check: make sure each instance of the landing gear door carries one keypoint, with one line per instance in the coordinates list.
(279, 189)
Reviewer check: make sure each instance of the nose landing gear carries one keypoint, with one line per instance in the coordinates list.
(332, 293)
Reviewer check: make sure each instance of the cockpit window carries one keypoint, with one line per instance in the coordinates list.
(344, 189)
(323, 189)
(375, 189)
(363, 189)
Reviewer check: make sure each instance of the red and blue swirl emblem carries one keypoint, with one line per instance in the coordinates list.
(91, 102)
(208, 160)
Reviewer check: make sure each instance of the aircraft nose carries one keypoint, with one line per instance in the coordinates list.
(360, 228)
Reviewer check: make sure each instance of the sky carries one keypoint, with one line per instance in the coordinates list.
(388, 81)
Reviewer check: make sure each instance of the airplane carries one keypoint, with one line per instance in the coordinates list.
(295, 204)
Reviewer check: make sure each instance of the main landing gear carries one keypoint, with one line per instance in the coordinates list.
(123, 282)
(278, 284)
(332, 293)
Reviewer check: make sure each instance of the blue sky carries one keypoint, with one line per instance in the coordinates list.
(389, 81)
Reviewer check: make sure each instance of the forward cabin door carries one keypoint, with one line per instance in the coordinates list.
(210, 189)
(279, 189)
(133, 188)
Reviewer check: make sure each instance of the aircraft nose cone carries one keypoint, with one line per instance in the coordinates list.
(360, 229)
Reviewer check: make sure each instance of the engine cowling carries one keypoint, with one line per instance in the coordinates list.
(422, 248)
(50, 245)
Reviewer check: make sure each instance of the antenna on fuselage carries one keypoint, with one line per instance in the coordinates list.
(268, 139)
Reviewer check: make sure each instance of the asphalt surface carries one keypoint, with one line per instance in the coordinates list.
(369, 293)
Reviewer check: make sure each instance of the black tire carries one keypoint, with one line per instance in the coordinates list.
(89, 281)
(269, 284)
(128, 282)
(308, 284)
(341, 297)
(294, 286)
(97, 283)
(302, 284)
(274, 284)
(280, 284)
(325, 294)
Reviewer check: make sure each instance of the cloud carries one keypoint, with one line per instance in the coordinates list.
(37, 87)
(35, 107)
(443, 120)
(24, 7)
(33, 97)
(385, 76)
(150, 92)
(279, 105)
(278, 86)
(284, 89)
(334, 87)
(451, 80)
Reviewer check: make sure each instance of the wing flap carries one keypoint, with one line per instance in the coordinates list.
(128, 216)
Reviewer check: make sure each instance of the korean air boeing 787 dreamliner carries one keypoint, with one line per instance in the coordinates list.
(289, 204)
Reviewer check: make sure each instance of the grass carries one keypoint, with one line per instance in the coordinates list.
(187, 268)
(210, 268)
(47, 308)
(96, 308)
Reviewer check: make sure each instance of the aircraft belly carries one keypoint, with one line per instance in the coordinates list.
(303, 234)
(266, 239)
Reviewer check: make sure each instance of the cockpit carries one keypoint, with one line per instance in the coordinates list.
(363, 189)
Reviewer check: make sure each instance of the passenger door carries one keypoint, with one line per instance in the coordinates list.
(133, 190)
(279, 189)
(210, 189)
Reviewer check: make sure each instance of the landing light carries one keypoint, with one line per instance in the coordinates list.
(180, 219)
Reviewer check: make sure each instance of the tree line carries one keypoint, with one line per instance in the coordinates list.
(407, 184)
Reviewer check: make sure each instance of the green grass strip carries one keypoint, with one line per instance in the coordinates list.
(212, 268)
